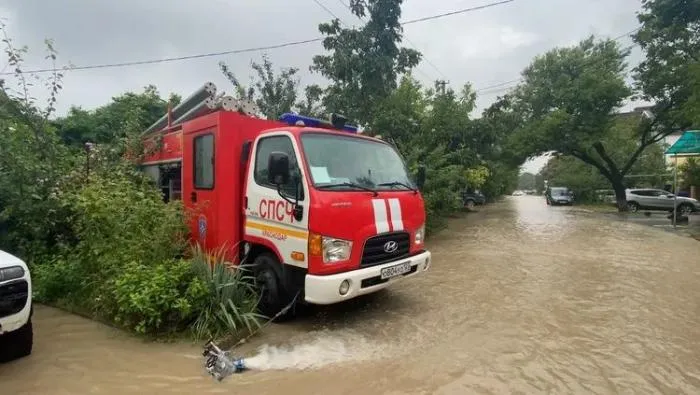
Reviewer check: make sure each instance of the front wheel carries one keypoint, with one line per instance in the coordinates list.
(272, 293)
(685, 209)
(469, 204)
(17, 344)
(632, 207)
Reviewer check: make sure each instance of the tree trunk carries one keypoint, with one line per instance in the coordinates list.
(620, 195)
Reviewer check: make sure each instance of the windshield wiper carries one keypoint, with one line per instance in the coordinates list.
(348, 184)
(397, 183)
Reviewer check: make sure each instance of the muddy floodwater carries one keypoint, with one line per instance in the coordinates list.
(522, 298)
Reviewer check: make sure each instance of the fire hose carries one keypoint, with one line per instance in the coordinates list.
(220, 363)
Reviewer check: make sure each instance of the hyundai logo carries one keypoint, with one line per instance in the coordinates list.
(391, 246)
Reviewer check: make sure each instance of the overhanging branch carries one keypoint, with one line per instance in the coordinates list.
(612, 166)
(591, 161)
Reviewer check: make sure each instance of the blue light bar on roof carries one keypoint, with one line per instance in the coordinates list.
(295, 120)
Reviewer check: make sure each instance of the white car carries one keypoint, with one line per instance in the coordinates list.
(16, 335)
(658, 199)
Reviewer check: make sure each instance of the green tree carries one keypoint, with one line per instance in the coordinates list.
(648, 171)
(276, 93)
(32, 161)
(311, 104)
(690, 173)
(108, 123)
(567, 101)
(669, 75)
(364, 64)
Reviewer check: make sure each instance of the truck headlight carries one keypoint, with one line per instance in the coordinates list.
(419, 236)
(11, 273)
(336, 250)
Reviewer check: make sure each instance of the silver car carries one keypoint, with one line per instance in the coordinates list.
(658, 199)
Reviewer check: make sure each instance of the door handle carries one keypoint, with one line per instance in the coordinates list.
(193, 196)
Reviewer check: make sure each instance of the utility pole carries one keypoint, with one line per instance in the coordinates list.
(440, 85)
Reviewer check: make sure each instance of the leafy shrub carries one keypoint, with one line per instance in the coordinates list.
(154, 299)
(118, 220)
(56, 281)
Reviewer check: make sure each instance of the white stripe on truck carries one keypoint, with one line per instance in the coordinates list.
(395, 212)
(380, 217)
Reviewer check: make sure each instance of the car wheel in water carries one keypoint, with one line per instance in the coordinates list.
(273, 296)
(685, 209)
(17, 344)
(469, 204)
(632, 207)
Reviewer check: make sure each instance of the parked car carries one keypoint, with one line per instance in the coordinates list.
(16, 334)
(470, 199)
(659, 199)
(559, 195)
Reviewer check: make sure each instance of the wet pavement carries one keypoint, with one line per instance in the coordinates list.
(522, 298)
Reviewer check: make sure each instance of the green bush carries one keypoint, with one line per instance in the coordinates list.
(166, 297)
(116, 219)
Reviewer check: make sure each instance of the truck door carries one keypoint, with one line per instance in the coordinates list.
(269, 216)
(199, 189)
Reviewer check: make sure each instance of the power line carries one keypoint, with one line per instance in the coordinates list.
(481, 7)
(329, 11)
(172, 59)
(502, 84)
(235, 51)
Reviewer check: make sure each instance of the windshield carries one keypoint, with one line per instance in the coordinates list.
(351, 163)
(559, 191)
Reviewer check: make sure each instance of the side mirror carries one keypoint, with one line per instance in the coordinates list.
(278, 172)
(420, 176)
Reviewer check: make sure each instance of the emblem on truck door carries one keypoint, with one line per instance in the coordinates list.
(391, 246)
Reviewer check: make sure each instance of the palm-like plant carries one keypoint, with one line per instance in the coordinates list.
(231, 306)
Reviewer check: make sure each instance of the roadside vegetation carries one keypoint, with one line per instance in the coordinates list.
(102, 242)
(569, 98)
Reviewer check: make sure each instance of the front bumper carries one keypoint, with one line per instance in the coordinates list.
(326, 289)
(11, 317)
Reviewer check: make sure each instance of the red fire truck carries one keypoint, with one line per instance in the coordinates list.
(319, 209)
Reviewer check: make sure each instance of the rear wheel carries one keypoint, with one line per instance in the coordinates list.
(632, 207)
(17, 344)
(272, 293)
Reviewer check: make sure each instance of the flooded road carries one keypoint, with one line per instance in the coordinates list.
(521, 298)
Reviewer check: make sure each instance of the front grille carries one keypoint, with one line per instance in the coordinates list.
(374, 253)
(13, 297)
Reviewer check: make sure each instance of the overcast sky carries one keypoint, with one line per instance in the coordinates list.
(485, 47)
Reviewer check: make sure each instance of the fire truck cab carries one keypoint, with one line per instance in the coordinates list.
(321, 211)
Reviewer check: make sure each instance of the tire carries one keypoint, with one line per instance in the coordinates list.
(17, 344)
(685, 209)
(632, 207)
(272, 293)
(470, 204)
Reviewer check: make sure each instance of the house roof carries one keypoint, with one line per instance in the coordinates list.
(688, 144)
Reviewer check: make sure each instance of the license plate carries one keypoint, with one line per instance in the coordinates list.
(396, 270)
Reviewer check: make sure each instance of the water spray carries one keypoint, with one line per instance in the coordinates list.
(221, 364)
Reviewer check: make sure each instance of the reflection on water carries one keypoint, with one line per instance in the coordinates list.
(522, 298)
